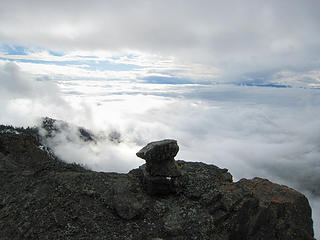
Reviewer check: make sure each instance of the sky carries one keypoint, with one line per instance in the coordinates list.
(155, 41)
(235, 82)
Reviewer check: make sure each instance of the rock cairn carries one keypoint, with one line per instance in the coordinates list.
(160, 170)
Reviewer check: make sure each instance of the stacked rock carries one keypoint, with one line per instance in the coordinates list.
(160, 169)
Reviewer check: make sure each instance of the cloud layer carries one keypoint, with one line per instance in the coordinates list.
(23, 99)
(252, 131)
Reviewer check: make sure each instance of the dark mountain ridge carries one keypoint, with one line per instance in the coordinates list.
(42, 197)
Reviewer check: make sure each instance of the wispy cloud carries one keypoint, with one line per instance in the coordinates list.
(106, 66)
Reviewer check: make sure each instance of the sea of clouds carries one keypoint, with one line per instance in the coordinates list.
(253, 131)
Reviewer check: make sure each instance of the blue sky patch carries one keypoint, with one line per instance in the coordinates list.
(165, 80)
(106, 65)
(94, 64)
(13, 49)
(59, 63)
(253, 84)
(57, 54)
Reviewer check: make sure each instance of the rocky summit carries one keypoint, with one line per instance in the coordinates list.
(42, 197)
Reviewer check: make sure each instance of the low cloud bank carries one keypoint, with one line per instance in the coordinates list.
(271, 133)
(24, 100)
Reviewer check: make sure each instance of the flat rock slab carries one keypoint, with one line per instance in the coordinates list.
(159, 151)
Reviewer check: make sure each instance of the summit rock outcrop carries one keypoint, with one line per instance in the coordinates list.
(42, 197)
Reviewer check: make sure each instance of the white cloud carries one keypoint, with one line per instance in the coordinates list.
(23, 99)
(264, 129)
(271, 133)
(101, 155)
(15, 84)
(133, 66)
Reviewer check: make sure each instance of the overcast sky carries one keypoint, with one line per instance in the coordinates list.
(234, 41)
(235, 82)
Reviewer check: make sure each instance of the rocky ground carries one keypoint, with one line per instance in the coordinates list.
(43, 198)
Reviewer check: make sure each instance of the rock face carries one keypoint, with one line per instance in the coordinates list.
(43, 198)
(50, 127)
(54, 126)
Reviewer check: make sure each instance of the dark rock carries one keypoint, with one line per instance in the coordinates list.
(159, 158)
(159, 151)
(42, 198)
(158, 184)
(160, 170)
(127, 202)
(115, 137)
(54, 126)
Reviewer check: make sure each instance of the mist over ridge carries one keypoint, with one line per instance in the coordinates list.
(252, 131)
(236, 83)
